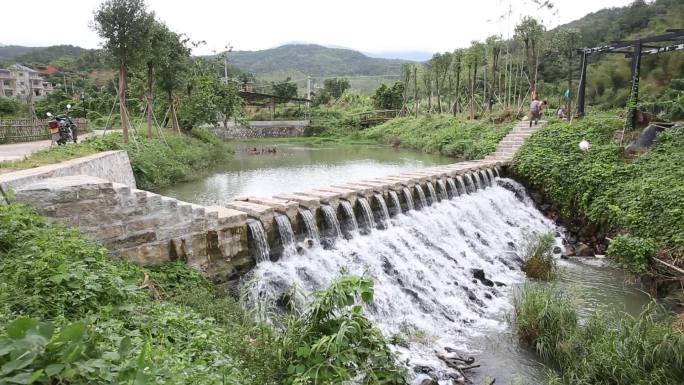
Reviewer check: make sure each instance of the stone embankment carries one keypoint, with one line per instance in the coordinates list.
(97, 194)
(262, 129)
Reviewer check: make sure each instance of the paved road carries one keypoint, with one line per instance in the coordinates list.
(18, 151)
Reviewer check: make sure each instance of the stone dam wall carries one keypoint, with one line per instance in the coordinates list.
(98, 195)
(262, 129)
(220, 241)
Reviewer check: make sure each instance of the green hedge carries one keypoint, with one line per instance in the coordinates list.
(642, 197)
(445, 134)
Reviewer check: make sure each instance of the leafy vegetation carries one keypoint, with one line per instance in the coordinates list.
(70, 313)
(632, 253)
(607, 348)
(450, 136)
(156, 162)
(538, 257)
(639, 197)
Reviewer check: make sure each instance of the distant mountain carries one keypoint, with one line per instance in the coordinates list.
(315, 60)
(8, 52)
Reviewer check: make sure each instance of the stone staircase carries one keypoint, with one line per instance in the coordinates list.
(510, 144)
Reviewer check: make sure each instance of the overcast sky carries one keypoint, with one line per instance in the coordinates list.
(367, 25)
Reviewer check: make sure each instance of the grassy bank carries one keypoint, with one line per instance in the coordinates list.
(640, 199)
(156, 162)
(71, 314)
(444, 134)
(606, 349)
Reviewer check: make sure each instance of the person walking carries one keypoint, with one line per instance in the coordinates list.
(535, 110)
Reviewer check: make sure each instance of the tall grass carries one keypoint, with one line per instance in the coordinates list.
(538, 257)
(608, 348)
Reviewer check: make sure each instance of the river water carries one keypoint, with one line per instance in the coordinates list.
(296, 167)
(422, 261)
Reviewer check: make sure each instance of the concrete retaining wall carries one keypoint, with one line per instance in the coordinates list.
(262, 129)
(113, 166)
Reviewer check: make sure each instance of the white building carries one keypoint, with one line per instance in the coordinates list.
(18, 80)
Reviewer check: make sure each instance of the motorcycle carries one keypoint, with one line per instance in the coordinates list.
(62, 128)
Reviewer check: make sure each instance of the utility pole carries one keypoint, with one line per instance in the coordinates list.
(229, 49)
(308, 93)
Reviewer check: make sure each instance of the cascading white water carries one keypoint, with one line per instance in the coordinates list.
(421, 196)
(496, 169)
(423, 269)
(259, 242)
(433, 193)
(383, 208)
(287, 237)
(310, 224)
(462, 186)
(349, 212)
(331, 220)
(367, 213)
(443, 194)
(396, 205)
(491, 175)
(470, 183)
(409, 198)
(454, 189)
(485, 179)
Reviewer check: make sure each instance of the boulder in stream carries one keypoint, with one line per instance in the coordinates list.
(584, 250)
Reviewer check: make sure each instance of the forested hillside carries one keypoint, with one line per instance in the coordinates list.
(314, 60)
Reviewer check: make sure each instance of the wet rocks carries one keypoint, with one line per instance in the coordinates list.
(569, 251)
(479, 274)
(557, 250)
(429, 381)
(584, 250)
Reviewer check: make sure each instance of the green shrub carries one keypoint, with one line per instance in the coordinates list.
(642, 197)
(71, 314)
(538, 257)
(632, 253)
(609, 348)
(448, 135)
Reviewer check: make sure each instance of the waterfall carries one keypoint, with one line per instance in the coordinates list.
(454, 189)
(491, 176)
(497, 172)
(287, 237)
(367, 213)
(423, 270)
(409, 199)
(485, 179)
(462, 185)
(349, 212)
(470, 183)
(433, 193)
(476, 178)
(331, 220)
(383, 208)
(310, 224)
(443, 194)
(421, 196)
(396, 205)
(259, 241)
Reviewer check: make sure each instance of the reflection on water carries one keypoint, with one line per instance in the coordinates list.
(297, 167)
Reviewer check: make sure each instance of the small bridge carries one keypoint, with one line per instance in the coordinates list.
(372, 118)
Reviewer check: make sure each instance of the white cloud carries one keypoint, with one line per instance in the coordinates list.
(369, 25)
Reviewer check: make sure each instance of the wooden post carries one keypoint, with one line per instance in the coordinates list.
(581, 91)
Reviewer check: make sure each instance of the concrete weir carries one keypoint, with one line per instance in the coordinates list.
(97, 194)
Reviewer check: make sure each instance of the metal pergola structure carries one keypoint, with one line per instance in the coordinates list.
(634, 49)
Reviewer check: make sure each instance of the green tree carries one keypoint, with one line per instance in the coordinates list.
(389, 98)
(474, 56)
(336, 87)
(440, 66)
(530, 32)
(172, 72)
(565, 41)
(285, 89)
(8, 106)
(124, 25)
(227, 100)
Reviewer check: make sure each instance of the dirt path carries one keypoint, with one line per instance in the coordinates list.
(18, 151)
